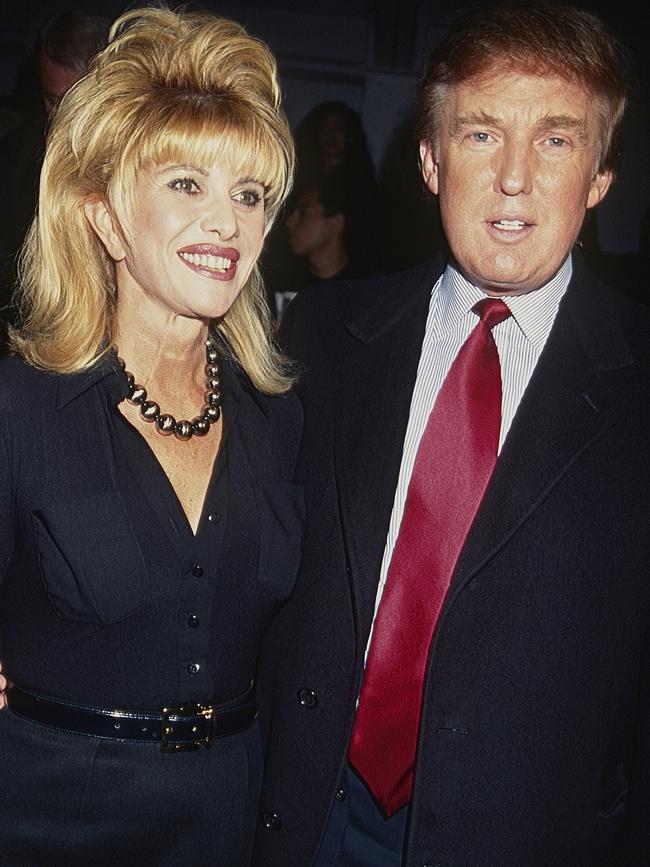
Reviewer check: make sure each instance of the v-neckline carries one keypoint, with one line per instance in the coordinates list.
(157, 486)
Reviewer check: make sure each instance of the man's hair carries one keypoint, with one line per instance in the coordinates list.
(71, 40)
(536, 38)
(333, 193)
(187, 87)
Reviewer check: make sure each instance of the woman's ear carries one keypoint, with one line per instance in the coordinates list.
(102, 221)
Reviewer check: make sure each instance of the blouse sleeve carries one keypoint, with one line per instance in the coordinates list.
(7, 498)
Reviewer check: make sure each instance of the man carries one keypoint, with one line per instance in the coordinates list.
(460, 678)
(316, 231)
(321, 237)
(65, 46)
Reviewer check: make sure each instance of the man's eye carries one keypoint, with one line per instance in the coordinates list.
(184, 185)
(480, 137)
(557, 141)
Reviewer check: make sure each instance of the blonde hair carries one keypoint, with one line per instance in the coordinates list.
(169, 85)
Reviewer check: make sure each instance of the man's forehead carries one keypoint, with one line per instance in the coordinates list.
(530, 94)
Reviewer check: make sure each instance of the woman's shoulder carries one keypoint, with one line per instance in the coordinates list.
(284, 410)
(21, 384)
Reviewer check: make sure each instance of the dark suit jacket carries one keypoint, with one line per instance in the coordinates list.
(533, 748)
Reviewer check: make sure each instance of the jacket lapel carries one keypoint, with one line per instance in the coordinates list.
(578, 389)
(372, 388)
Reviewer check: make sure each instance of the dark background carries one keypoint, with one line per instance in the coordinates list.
(370, 56)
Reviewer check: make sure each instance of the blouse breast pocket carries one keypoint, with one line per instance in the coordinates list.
(90, 561)
(282, 521)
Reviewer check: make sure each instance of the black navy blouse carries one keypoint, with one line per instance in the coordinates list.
(107, 596)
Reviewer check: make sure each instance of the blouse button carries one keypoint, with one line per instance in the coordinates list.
(307, 697)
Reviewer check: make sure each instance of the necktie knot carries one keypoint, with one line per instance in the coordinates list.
(491, 311)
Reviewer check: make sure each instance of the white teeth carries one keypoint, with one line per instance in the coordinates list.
(509, 224)
(215, 263)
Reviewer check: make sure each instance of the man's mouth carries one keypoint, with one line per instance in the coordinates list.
(509, 225)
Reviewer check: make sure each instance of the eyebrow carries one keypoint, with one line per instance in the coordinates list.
(251, 180)
(544, 124)
(182, 167)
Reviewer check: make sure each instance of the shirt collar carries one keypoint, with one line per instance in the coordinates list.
(108, 371)
(73, 385)
(533, 312)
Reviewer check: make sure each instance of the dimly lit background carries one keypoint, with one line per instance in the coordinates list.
(370, 56)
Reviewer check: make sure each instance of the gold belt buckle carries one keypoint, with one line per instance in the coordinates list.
(170, 715)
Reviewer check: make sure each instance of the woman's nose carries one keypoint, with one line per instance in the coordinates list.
(220, 217)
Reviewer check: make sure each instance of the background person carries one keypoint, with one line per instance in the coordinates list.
(65, 46)
(324, 237)
(146, 540)
(331, 154)
(475, 569)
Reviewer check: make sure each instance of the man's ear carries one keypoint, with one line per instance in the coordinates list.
(429, 166)
(102, 221)
(338, 222)
(598, 189)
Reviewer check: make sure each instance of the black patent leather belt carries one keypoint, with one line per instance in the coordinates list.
(184, 727)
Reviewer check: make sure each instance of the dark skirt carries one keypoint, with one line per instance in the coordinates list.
(74, 801)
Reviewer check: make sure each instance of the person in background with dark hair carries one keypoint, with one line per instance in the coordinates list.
(462, 674)
(331, 155)
(331, 136)
(65, 45)
(323, 237)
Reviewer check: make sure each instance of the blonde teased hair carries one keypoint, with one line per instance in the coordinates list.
(170, 85)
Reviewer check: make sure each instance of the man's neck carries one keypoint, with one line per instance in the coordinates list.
(328, 262)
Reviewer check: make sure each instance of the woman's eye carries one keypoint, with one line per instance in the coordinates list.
(184, 185)
(249, 198)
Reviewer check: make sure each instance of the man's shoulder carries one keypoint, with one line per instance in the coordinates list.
(634, 318)
(323, 306)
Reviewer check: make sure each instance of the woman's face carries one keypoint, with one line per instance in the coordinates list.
(197, 231)
(332, 138)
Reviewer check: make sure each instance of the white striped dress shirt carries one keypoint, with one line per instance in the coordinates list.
(520, 339)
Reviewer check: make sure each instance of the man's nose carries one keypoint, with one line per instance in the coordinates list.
(514, 172)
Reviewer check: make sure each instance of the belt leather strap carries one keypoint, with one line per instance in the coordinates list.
(176, 729)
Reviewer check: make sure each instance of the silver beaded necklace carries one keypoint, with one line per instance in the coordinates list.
(165, 423)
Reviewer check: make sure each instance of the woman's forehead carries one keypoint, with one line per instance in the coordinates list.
(230, 151)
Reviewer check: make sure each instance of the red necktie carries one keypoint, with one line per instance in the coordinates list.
(452, 467)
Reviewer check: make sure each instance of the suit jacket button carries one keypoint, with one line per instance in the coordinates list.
(271, 821)
(307, 697)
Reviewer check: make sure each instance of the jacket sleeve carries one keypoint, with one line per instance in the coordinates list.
(637, 833)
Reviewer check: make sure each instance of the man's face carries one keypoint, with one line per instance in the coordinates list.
(515, 173)
(56, 80)
(308, 229)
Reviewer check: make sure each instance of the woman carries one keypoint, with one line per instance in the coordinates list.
(146, 539)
